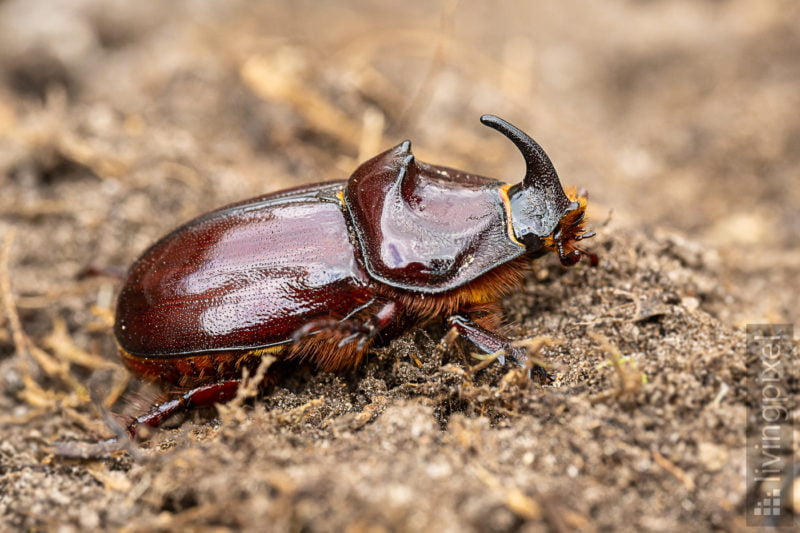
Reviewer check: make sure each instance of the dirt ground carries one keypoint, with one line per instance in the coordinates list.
(120, 120)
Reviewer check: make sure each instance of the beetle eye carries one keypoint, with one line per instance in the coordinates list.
(530, 240)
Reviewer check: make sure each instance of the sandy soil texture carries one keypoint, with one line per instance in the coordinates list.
(121, 120)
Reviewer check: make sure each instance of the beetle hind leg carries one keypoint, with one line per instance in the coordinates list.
(202, 396)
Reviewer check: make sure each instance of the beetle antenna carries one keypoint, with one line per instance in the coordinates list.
(540, 175)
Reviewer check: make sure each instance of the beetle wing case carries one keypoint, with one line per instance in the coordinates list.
(243, 277)
(427, 228)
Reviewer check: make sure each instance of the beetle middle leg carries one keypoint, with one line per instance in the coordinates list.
(334, 344)
(489, 342)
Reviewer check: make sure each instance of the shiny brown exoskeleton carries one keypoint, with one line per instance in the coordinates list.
(318, 273)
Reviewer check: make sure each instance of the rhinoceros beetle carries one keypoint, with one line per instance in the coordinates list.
(319, 273)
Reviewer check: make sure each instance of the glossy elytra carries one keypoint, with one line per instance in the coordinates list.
(319, 273)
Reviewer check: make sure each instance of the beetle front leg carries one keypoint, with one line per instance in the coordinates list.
(489, 342)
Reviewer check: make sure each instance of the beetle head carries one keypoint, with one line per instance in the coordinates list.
(543, 216)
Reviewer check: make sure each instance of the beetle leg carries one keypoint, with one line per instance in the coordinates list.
(382, 317)
(203, 396)
(490, 342)
(348, 330)
(379, 314)
(333, 344)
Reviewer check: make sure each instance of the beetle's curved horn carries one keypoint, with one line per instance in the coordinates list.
(540, 175)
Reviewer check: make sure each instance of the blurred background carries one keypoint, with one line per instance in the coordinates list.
(119, 120)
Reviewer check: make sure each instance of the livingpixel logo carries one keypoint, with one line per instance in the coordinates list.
(770, 356)
(770, 505)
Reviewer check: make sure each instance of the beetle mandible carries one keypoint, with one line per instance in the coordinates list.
(319, 273)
